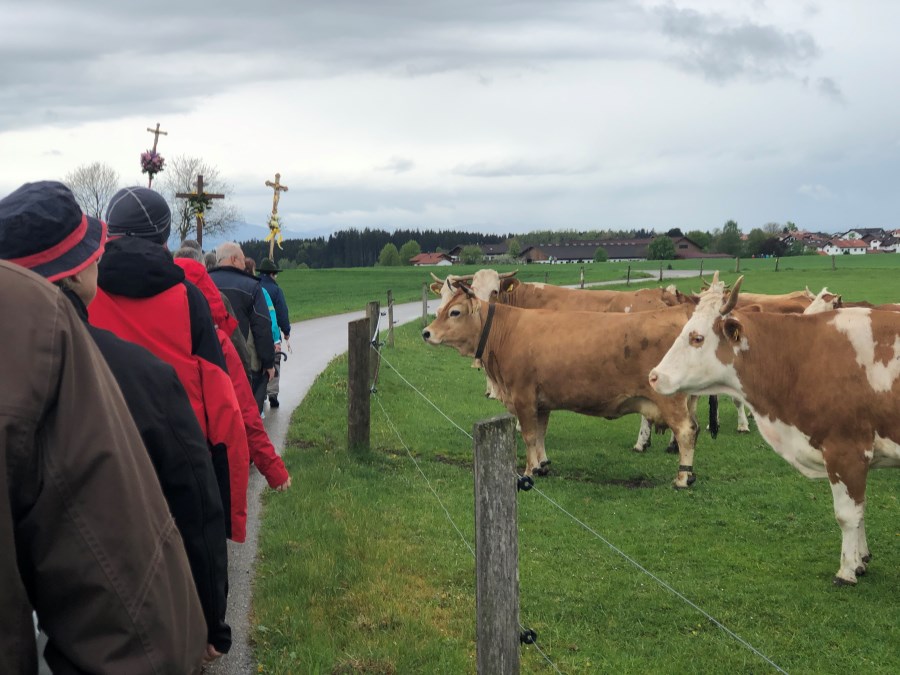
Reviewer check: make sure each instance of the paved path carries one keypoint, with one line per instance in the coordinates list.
(316, 342)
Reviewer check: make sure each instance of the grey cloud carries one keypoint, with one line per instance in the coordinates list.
(397, 165)
(723, 50)
(829, 89)
(516, 168)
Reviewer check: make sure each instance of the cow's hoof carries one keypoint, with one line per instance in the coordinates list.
(546, 462)
(692, 479)
(743, 431)
(860, 570)
(639, 448)
(542, 471)
(867, 558)
(672, 448)
(840, 581)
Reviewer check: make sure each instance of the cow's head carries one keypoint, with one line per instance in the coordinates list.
(701, 360)
(485, 285)
(446, 288)
(458, 323)
(824, 302)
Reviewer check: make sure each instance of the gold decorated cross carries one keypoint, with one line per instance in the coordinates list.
(275, 233)
(156, 134)
(199, 202)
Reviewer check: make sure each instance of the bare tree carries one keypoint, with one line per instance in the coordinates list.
(181, 176)
(93, 186)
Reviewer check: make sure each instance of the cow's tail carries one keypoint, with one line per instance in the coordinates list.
(713, 416)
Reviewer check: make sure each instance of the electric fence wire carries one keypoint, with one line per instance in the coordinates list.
(447, 513)
(614, 548)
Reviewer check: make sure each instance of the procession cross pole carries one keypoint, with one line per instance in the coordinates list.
(278, 188)
(199, 197)
(156, 134)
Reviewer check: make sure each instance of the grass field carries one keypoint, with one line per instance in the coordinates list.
(362, 571)
(314, 293)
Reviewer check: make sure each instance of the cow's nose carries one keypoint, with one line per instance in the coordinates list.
(653, 377)
(426, 333)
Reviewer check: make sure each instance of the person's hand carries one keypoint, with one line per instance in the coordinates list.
(211, 654)
(271, 373)
(284, 486)
(287, 341)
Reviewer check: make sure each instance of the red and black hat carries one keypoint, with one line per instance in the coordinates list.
(42, 228)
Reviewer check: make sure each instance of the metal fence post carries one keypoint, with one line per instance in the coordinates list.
(373, 314)
(358, 392)
(496, 547)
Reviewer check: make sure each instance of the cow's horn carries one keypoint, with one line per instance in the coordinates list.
(506, 275)
(732, 298)
(436, 278)
(453, 278)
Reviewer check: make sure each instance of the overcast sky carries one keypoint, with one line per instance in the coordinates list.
(473, 114)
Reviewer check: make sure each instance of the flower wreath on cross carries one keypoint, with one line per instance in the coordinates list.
(152, 163)
(275, 229)
(199, 204)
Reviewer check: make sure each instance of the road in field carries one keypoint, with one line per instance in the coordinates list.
(315, 342)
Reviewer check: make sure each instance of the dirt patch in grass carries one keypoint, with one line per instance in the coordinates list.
(368, 666)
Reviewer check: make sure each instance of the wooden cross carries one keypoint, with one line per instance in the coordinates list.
(156, 134)
(199, 193)
(278, 188)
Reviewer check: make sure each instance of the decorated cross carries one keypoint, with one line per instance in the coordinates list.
(151, 161)
(274, 219)
(200, 202)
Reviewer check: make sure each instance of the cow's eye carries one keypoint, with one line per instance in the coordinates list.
(695, 339)
(454, 312)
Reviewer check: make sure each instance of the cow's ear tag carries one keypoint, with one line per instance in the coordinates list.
(732, 329)
(509, 284)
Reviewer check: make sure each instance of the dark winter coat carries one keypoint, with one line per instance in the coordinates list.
(163, 415)
(280, 304)
(245, 294)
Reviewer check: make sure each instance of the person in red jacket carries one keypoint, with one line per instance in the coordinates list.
(262, 452)
(144, 298)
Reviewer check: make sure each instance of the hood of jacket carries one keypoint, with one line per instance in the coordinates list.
(137, 268)
(196, 273)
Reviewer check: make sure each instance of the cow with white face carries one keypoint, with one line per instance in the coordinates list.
(836, 422)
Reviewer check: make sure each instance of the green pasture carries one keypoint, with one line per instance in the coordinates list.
(360, 569)
(314, 293)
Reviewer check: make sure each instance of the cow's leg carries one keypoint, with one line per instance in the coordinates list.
(850, 515)
(680, 418)
(528, 422)
(673, 441)
(543, 420)
(743, 424)
(672, 447)
(643, 439)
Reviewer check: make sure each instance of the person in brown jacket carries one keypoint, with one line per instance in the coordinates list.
(86, 540)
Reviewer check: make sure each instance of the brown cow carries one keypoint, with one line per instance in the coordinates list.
(836, 421)
(587, 362)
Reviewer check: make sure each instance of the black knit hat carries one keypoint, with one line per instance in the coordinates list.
(42, 228)
(139, 212)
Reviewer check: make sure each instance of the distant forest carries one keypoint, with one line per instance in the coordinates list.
(360, 248)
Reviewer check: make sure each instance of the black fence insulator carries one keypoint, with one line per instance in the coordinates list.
(528, 637)
(525, 483)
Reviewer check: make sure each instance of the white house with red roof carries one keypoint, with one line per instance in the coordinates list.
(431, 259)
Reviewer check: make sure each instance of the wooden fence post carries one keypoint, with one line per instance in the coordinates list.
(833, 268)
(582, 276)
(660, 271)
(546, 277)
(777, 260)
(358, 392)
(737, 264)
(424, 304)
(390, 338)
(701, 267)
(496, 547)
(628, 277)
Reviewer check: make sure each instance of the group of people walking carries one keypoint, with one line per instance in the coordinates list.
(134, 385)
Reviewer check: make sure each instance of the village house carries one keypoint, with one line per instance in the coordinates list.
(845, 247)
(431, 259)
(489, 251)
